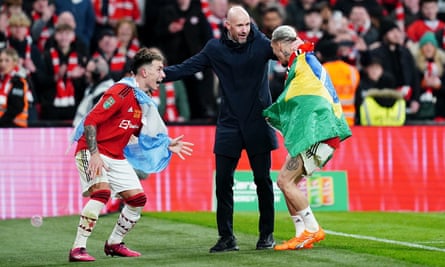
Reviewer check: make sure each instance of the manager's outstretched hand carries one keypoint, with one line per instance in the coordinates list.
(181, 147)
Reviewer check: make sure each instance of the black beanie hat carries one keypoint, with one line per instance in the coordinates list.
(386, 25)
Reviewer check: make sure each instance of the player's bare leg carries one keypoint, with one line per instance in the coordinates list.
(306, 226)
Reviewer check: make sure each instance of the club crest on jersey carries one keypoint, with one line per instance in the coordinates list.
(108, 103)
(137, 114)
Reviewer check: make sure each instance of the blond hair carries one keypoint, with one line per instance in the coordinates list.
(19, 19)
(10, 52)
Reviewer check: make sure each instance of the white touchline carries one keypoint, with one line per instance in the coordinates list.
(385, 241)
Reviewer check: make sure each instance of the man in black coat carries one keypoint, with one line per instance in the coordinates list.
(240, 60)
(182, 31)
(398, 62)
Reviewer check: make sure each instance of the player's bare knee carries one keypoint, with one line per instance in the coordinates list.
(286, 182)
(98, 187)
(137, 200)
(102, 195)
(282, 181)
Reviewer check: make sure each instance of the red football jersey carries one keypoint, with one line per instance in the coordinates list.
(116, 116)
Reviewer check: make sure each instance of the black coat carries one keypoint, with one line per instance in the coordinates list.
(401, 65)
(183, 44)
(385, 81)
(242, 72)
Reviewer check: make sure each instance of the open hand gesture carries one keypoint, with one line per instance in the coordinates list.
(181, 147)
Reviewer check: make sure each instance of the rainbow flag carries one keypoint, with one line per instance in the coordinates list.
(308, 110)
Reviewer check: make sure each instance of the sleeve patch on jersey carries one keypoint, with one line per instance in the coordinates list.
(109, 102)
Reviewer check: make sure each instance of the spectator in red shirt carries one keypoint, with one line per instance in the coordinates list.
(108, 13)
(312, 26)
(428, 21)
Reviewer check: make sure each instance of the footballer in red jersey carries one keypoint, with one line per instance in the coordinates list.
(123, 113)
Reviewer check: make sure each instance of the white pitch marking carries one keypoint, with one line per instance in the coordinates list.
(406, 244)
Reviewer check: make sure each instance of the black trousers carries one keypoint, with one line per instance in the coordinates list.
(225, 168)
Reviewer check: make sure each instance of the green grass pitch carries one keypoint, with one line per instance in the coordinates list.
(184, 238)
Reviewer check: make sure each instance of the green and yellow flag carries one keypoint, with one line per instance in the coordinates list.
(308, 110)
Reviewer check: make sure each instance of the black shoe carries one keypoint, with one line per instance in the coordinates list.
(265, 242)
(225, 244)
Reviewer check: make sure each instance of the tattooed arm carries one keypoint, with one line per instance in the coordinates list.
(96, 163)
(90, 136)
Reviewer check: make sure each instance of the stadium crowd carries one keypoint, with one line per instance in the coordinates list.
(385, 57)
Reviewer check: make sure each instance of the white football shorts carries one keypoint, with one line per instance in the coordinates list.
(120, 176)
(316, 156)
